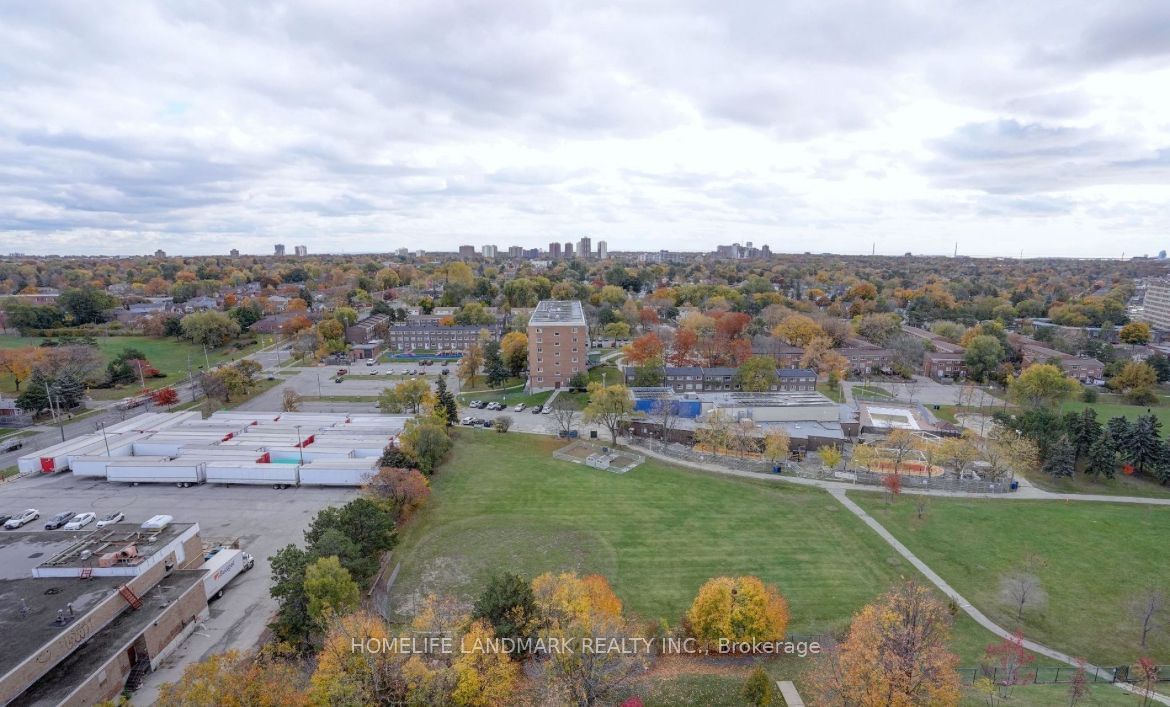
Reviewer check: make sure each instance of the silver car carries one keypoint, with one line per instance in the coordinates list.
(21, 519)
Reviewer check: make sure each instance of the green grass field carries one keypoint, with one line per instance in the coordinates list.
(167, 355)
(837, 394)
(657, 532)
(1114, 407)
(872, 391)
(1096, 556)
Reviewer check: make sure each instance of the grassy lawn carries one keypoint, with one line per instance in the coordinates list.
(169, 356)
(507, 397)
(1114, 407)
(658, 532)
(1120, 485)
(1096, 556)
(837, 395)
(9, 471)
(872, 391)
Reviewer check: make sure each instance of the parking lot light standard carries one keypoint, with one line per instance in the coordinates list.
(300, 446)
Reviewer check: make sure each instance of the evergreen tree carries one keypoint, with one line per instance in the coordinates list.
(1143, 448)
(494, 366)
(1102, 459)
(758, 690)
(1061, 459)
(68, 391)
(35, 397)
(447, 402)
(1083, 429)
(1119, 430)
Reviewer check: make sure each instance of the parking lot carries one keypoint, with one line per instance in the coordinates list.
(262, 518)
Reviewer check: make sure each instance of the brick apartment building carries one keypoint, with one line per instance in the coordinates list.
(944, 364)
(1083, 368)
(558, 343)
(437, 339)
(368, 329)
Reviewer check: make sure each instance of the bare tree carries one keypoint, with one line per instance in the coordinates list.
(912, 387)
(1148, 608)
(290, 400)
(665, 413)
(564, 414)
(921, 504)
(1022, 590)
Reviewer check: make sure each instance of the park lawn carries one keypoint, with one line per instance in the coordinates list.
(509, 397)
(1096, 555)
(872, 391)
(1115, 408)
(1120, 485)
(169, 356)
(502, 503)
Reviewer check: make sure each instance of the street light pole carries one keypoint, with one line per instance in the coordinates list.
(102, 426)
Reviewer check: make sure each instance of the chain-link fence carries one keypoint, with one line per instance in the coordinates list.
(1059, 674)
(815, 471)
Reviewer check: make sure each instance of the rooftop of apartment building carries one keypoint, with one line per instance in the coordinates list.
(552, 311)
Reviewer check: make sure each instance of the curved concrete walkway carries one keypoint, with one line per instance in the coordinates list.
(837, 490)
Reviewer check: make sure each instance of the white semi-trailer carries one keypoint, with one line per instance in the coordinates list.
(277, 475)
(222, 567)
(177, 472)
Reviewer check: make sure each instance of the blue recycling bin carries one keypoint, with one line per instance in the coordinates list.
(1015, 486)
(777, 469)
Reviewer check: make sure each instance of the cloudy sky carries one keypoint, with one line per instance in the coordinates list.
(197, 126)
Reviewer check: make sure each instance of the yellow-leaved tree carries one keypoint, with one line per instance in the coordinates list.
(738, 609)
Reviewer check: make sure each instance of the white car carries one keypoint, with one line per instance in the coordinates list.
(111, 518)
(21, 519)
(80, 521)
(519, 407)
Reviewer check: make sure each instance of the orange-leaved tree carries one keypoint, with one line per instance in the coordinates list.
(897, 652)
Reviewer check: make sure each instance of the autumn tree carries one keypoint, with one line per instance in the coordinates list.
(645, 349)
(290, 400)
(820, 356)
(514, 352)
(798, 330)
(757, 374)
(233, 678)
(329, 589)
(737, 609)
(18, 363)
(830, 456)
(776, 446)
(897, 652)
(1136, 382)
(484, 677)
(402, 490)
(209, 328)
(407, 396)
(164, 397)
(345, 676)
(425, 442)
(1135, 334)
(471, 365)
(608, 406)
(572, 608)
(1042, 385)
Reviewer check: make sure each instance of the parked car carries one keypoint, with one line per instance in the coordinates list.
(546, 410)
(59, 520)
(342, 371)
(536, 410)
(445, 371)
(488, 423)
(111, 518)
(4, 518)
(337, 380)
(519, 407)
(10, 445)
(23, 518)
(371, 362)
(466, 420)
(80, 520)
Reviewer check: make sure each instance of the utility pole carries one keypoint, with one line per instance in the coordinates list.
(206, 361)
(102, 426)
(58, 418)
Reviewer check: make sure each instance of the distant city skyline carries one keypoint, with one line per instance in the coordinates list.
(359, 126)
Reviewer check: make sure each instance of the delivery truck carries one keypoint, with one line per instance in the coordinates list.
(222, 567)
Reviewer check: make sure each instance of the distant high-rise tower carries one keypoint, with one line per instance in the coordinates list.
(489, 251)
(160, 253)
(516, 252)
(568, 250)
(466, 251)
(278, 249)
(234, 252)
(301, 250)
(554, 250)
(584, 247)
(602, 250)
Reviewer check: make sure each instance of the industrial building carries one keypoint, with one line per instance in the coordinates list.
(248, 448)
(86, 614)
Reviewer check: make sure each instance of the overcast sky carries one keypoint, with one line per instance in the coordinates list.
(198, 126)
